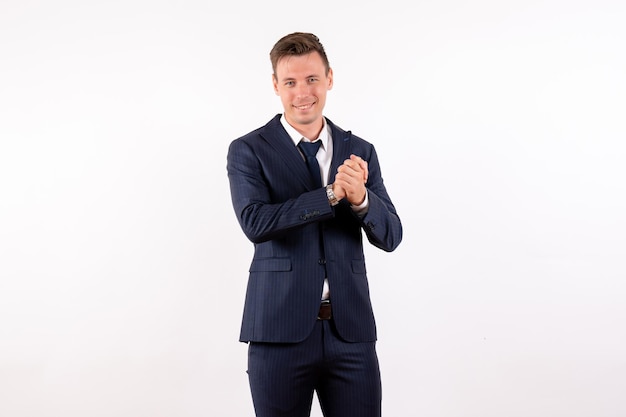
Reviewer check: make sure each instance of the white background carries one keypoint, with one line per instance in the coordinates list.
(500, 128)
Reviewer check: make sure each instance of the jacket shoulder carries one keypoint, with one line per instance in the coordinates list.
(343, 134)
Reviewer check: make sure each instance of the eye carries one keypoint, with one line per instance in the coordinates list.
(290, 83)
(312, 80)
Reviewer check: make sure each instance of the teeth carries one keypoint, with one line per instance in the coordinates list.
(306, 106)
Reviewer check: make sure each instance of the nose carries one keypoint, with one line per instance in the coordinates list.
(303, 89)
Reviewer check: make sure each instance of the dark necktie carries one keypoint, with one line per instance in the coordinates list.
(309, 149)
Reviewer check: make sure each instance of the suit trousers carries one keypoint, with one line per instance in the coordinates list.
(346, 376)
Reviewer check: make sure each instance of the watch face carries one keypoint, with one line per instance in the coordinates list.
(331, 196)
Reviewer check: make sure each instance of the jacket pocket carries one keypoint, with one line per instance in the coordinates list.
(270, 264)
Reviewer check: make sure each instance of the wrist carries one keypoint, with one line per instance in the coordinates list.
(362, 200)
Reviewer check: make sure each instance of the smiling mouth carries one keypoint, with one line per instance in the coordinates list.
(304, 106)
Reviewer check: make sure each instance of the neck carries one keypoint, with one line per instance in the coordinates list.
(310, 131)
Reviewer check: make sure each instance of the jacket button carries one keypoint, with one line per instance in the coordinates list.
(321, 261)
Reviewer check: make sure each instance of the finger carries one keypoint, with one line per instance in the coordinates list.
(362, 164)
(350, 182)
(357, 174)
(352, 164)
(346, 181)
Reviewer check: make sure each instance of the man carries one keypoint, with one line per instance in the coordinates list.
(307, 315)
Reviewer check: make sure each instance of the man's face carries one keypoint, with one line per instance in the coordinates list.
(302, 83)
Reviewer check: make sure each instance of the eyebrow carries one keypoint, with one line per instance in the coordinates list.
(293, 79)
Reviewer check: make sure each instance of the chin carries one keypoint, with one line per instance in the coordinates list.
(307, 119)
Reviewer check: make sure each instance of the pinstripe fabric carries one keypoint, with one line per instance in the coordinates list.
(299, 239)
(281, 211)
(345, 375)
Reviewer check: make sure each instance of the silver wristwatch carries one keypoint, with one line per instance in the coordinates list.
(332, 198)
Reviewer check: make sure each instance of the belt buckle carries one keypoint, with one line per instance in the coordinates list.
(325, 312)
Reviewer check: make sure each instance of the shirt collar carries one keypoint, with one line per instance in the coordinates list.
(296, 137)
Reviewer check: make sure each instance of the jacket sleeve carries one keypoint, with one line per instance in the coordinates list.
(260, 215)
(381, 224)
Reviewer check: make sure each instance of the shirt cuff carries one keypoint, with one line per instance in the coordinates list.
(361, 209)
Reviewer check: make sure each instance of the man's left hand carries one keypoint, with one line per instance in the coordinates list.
(351, 177)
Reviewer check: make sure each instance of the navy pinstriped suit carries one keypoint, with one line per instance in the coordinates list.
(299, 238)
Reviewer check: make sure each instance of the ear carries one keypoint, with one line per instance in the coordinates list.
(275, 83)
(330, 78)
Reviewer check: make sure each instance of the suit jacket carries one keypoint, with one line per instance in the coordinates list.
(299, 238)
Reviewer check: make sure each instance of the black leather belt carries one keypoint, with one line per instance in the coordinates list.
(325, 311)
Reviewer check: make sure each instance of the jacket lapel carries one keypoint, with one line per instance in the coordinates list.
(341, 148)
(276, 136)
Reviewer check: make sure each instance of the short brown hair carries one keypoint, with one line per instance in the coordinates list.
(297, 43)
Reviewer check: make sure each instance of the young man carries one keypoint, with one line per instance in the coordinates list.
(308, 317)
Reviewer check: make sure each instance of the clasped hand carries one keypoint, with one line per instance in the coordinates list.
(350, 180)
